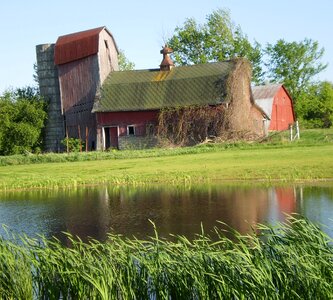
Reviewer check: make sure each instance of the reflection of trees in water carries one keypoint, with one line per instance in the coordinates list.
(316, 204)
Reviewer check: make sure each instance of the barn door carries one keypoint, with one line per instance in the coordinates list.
(114, 137)
(110, 137)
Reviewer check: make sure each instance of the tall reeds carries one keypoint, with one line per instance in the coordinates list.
(291, 261)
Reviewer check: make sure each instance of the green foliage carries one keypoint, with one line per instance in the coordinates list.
(124, 63)
(314, 107)
(73, 144)
(23, 114)
(16, 273)
(295, 64)
(289, 261)
(218, 39)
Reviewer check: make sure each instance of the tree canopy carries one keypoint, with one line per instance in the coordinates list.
(295, 64)
(315, 105)
(217, 39)
(22, 114)
(124, 63)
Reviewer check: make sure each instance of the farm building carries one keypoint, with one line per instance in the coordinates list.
(91, 100)
(129, 104)
(277, 104)
(70, 73)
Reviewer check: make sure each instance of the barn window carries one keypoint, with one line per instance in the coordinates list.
(130, 130)
(108, 51)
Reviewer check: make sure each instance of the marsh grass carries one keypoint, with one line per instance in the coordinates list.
(290, 261)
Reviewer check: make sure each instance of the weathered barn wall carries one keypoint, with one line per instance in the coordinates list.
(282, 111)
(145, 123)
(79, 81)
(107, 55)
(49, 89)
(137, 142)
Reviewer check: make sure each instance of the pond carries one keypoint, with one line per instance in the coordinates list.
(95, 211)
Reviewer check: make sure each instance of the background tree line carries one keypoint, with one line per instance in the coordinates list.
(295, 64)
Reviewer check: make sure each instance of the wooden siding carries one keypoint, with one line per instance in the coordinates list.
(107, 55)
(282, 111)
(123, 119)
(79, 81)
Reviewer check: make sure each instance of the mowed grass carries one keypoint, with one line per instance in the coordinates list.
(301, 163)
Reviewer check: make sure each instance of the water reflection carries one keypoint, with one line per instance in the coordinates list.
(95, 211)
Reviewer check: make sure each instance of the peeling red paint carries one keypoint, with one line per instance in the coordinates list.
(77, 45)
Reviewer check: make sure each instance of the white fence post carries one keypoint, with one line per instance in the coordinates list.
(297, 135)
(297, 130)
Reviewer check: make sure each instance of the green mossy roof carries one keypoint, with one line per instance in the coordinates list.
(154, 89)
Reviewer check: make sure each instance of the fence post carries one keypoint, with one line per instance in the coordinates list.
(87, 134)
(67, 146)
(297, 130)
(79, 131)
(291, 131)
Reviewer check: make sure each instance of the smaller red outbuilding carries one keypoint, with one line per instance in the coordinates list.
(276, 102)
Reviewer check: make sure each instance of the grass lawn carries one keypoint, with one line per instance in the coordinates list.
(282, 163)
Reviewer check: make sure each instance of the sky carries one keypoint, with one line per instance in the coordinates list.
(141, 28)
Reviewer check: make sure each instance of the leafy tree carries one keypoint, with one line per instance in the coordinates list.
(216, 40)
(23, 114)
(315, 106)
(124, 63)
(294, 64)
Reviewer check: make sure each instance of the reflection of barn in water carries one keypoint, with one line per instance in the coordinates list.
(95, 211)
(181, 210)
(177, 210)
(282, 202)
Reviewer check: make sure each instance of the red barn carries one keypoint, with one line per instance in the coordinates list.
(128, 105)
(91, 100)
(70, 73)
(275, 101)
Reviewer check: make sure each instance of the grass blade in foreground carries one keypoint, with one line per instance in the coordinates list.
(292, 260)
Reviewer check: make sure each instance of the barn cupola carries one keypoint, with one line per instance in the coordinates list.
(167, 63)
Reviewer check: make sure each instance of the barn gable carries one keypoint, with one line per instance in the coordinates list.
(78, 45)
(277, 104)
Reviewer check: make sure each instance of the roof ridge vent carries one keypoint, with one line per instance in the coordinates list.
(167, 63)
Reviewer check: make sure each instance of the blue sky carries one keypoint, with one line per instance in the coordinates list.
(140, 27)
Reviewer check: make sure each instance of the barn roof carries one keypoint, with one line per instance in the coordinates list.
(264, 95)
(154, 89)
(77, 45)
(265, 91)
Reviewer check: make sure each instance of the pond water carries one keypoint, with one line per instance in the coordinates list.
(95, 211)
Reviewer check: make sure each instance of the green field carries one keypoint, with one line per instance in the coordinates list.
(276, 160)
